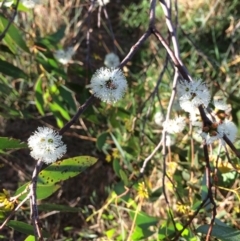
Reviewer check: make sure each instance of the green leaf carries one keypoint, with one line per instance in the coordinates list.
(56, 106)
(50, 65)
(154, 196)
(109, 233)
(56, 207)
(59, 119)
(58, 35)
(11, 70)
(6, 49)
(24, 228)
(101, 140)
(43, 190)
(116, 167)
(124, 177)
(8, 143)
(63, 170)
(50, 41)
(5, 90)
(67, 95)
(141, 233)
(221, 232)
(166, 230)
(117, 145)
(13, 36)
(143, 218)
(22, 8)
(30, 238)
(119, 189)
(39, 96)
(143, 222)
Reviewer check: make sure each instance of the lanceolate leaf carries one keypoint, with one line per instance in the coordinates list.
(221, 232)
(39, 96)
(43, 191)
(8, 143)
(11, 70)
(23, 227)
(63, 170)
(13, 36)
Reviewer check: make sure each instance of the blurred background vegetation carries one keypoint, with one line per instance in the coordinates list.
(37, 90)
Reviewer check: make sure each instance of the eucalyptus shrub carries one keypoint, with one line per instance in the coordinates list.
(158, 89)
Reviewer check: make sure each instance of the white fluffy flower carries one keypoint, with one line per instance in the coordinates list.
(209, 139)
(30, 3)
(192, 94)
(220, 104)
(174, 126)
(111, 60)
(46, 145)
(64, 56)
(108, 84)
(229, 129)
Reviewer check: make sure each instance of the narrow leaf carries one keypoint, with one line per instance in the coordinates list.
(13, 34)
(57, 107)
(63, 170)
(43, 191)
(11, 70)
(101, 140)
(221, 232)
(39, 96)
(8, 143)
(24, 228)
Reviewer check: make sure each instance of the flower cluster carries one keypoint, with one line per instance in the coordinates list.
(46, 145)
(220, 104)
(174, 126)
(111, 60)
(6, 204)
(64, 56)
(218, 130)
(193, 94)
(108, 84)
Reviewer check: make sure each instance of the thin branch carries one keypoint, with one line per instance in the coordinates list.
(110, 27)
(210, 193)
(166, 10)
(152, 14)
(181, 68)
(88, 34)
(135, 48)
(33, 200)
(142, 170)
(81, 109)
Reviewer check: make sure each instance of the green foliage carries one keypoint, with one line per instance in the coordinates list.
(123, 204)
(8, 143)
(13, 38)
(23, 227)
(223, 233)
(63, 170)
